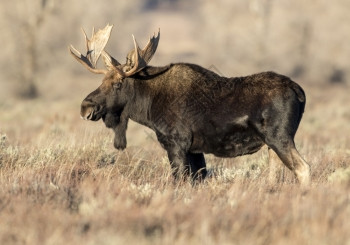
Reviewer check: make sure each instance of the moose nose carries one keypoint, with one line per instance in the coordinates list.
(87, 110)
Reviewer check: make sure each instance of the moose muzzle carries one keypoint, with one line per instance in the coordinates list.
(90, 111)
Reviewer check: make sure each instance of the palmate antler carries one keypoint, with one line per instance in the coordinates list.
(95, 48)
(140, 58)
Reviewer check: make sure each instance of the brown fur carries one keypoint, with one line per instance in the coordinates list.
(194, 111)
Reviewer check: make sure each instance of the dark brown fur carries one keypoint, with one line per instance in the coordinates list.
(194, 111)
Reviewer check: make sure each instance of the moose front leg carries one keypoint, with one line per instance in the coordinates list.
(120, 134)
(197, 165)
(187, 164)
(183, 163)
(178, 162)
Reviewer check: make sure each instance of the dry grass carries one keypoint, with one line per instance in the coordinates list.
(63, 183)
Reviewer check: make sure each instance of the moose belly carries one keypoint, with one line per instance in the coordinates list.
(234, 143)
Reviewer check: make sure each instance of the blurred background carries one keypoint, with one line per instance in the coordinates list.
(41, 86)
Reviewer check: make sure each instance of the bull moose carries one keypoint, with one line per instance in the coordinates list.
(193, 110)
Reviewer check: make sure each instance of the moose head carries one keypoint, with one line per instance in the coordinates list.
(110, 98)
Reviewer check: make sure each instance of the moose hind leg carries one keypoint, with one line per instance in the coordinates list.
(302, 168)
(196, 162)
(292, 159)
(277, 129)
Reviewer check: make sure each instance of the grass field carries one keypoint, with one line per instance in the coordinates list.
(63, 183)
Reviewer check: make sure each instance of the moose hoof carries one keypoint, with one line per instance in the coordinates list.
(120, 143)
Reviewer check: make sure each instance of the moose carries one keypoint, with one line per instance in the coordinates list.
(194, 111)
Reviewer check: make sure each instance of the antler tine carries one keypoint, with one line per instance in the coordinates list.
(144, 56)
(85, 61)
(151, 47)
(109, 61)
(94, 48)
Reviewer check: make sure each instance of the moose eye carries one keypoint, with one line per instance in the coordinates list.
(117, 85)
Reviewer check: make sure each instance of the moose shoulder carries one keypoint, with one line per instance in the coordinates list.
(194, 110)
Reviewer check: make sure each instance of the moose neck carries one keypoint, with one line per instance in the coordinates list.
(145, 85)
(139, 104)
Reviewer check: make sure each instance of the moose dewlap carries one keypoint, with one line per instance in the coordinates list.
(193, 110)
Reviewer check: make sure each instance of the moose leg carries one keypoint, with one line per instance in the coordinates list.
(120, 134)
(276, 173)
(302, 169)
(197, 165)
(178, 162)
(176, 154)
(277, 127)
(292, 159)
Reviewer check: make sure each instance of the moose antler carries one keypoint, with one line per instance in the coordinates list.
(140, 58)
(94, 48)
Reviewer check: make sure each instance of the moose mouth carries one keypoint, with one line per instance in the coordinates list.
(111, 118)
(93, 114)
